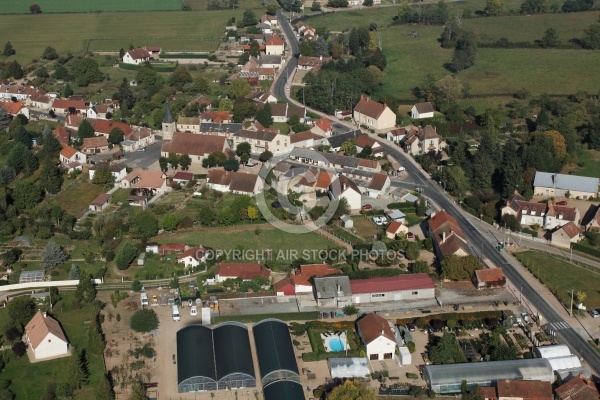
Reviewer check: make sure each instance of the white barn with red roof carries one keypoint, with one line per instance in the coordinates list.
(392, 288)
(193, 257)
(377, 333)
(136, 56)
(245, 271)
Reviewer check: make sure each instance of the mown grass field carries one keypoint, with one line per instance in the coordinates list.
(590, 159)
(561, 276)
(173, 31)
(496, 71)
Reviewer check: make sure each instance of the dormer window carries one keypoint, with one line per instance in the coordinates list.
(560, 216)
(533, 211)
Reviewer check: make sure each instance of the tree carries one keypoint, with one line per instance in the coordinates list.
(243, 148)
(591, 37)
(26, 195)
(316, 6)
(459, 268)
(20, 310)
(170, 222)
(74, 272)
(352, 389)
(138, 392)
(67, 91)
(239, 88)
(503, 352)
(232, 164)
(348, 148)
(180, 77)
(85, 71)
(104, 391)
(163, 162)
(77, 370)
(22, 135)
(265, 156)
(144, 321)
(350, 309)
(185, 161)
(8, 50)
(225, 105)
(342, 208)
(85, 130)
(19, 349)
(413, 250)
(580, 296)
(419, 267)
(35, 9)
(512, 170)
(535, 6)
(103, 176)
(206, 216)
(252, 213)
(550, 38)
(116, 136)
(455, 180)
(85, 292)
(126, 253)
(464, 53)
(15, 70)
(264, 116)
(65, 391)
(50, 53)
(96, 341)
(52, 256)
(249, 18)
(42, 72)
(144, 225)
(51, 179)
(60, 72)
(321, 47)
(494, 8)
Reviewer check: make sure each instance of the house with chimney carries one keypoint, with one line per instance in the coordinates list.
(94, 145)
(274, 45)
(192, 257)
(345, 188)
(577, 388)
(70, 106)
(261, 141)
(323, 127)
(448, 238)
(197, 147)
(14, 108)
(136, 56)
(422, 140)
(234, 182)
(546, 215)
(365, 140)
(147, 183)
(312, 63)
(422, 110)
(397, 135)
(69, 154)
(45, 337)
(565, 235)
(561, 185)
(301, 280)
(487, 278)
(377, 334)
(374, 115)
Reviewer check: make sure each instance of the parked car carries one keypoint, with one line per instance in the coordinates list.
(594, 313)
(367, 207)
(401, 169)
(525, 317)
(143, 149)
(193, 311)
(562, 203)
(411, 327)
(174, 359)
(377, 221)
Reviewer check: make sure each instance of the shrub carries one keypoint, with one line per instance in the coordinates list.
(144, 320)
(411, 346)
(19, 349)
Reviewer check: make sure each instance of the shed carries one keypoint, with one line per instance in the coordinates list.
(405, 356)
(141, 259)
(100, 202)
(354, 367)
(23, 241)
(32, 276)
(564, 363)
(347, 221)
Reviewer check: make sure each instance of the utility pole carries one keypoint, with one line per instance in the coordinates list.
(521, 294)
(571, 309)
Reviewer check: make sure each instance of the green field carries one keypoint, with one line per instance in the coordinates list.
(173, 31)
(245, 238)
(496, 71)
(560, 276)
(530, 28)
(590, 159)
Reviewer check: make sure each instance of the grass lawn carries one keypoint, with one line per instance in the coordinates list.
(76, 198)
(75, 6)
(412, 219)
(590, 159)
(173, 31)
(22, 374)
(344, 234)
(560, 276)
(365, 227)
(244, 238)
(120, 196)
(530, 28)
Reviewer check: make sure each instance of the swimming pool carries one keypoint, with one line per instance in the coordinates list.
(336, 344)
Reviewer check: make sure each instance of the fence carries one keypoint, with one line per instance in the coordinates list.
(585, 249)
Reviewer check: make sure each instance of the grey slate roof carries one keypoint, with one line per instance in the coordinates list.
(566, 182)
(168, 115)
(224, 127)
(337, 140)
(327, 286)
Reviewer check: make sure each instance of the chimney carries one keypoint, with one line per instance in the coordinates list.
(443, 237)
(45, 314)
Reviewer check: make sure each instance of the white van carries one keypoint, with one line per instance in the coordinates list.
(176, 316)
(144, 299)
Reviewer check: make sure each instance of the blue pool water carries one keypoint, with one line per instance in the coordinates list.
(336, 344)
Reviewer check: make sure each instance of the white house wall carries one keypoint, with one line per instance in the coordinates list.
(375, 297)
(51, 346)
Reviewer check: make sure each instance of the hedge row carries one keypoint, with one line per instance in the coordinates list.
(587, 250)
(470, 316)
(408, 206)
(312, 356)
(183, 55)
(299, 316)
(157, 67)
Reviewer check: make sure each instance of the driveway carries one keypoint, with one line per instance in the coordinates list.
(144, 159)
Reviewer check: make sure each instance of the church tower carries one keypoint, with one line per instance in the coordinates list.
(168, 124)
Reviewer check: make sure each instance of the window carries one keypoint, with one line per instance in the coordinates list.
(415, 293)
(378, 295)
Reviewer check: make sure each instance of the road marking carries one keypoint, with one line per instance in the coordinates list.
(560, 325)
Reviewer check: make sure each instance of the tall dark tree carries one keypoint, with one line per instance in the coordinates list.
(15, 70)
(85, 292)
(67, 91)
(51, 179)
(50, 53)
(86, 130)
(86, 71)
(26, 195)
(22, 135)
(264, 116)
(464, 52)
(124, 94)
(116, 136)
(9, 50)
(511, 169)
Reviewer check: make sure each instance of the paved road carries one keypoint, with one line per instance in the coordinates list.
(144, 159)
(290, 66)
(482, 241)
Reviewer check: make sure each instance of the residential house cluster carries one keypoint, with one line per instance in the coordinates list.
(305, 31)
(374, 115)
(140, 55)
(234, 182)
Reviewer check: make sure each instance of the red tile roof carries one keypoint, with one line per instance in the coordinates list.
(370, 108)
(245, 271)
(392, 283)
(323, 123)
(364, 140)
(139, 54)
(171, 248)
(571, 229)
(40, 326)
(393, 227)
(12, 107)
(101, 199)
(192, 144)
(94, 142)
(489, 275)
(66, 104)
(372, 326)
(195, 252)
(68, 151)
(183, 176)
(302, 136)
(578, 388)
(312, 270)
(104, 126)
(324, 180)
(378, 181)
(274, 41)
(285, 286)
(526, 390)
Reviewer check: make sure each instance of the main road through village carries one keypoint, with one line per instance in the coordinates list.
(482, 241)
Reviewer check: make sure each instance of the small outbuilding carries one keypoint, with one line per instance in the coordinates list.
(354, 367)
(347, 221)
(101, 202)
(45, 337)
(23, 241)
(489, 278)
(405, 357)
(422, 110)
(32, 276)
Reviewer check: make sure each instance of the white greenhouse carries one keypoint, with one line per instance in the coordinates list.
(552, 351)
(356, 367)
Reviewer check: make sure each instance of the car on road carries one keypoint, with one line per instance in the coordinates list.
(562, 203)
(367, 207)
(174, 359)
(401, 169)
(594, 313)
(193, 311)
(141, 149)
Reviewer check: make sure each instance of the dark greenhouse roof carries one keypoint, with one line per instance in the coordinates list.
(274, 347)
(195, 353)
(288, 390)
(213, 353)
(232, 347)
